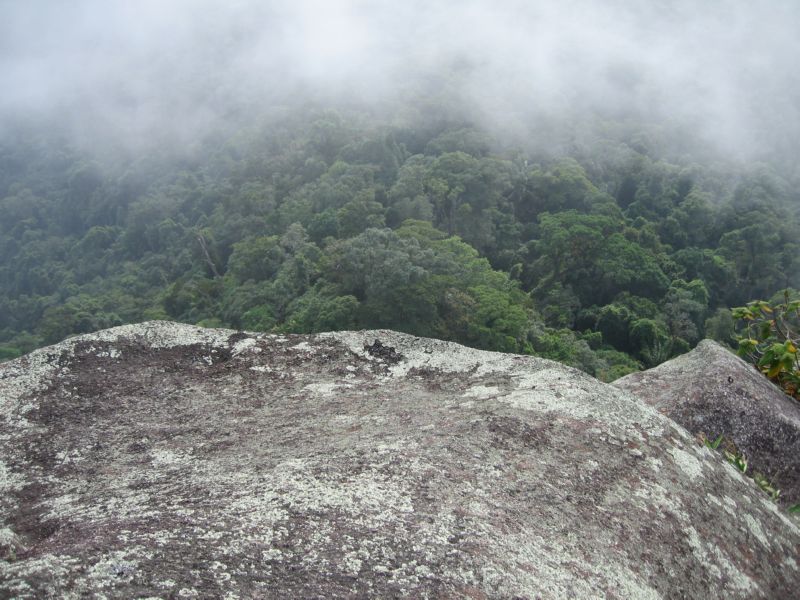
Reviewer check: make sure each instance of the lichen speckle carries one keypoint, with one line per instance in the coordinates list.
(688, 463)
(9, 481)
(245, 345)
(163, 460)
(756, 530)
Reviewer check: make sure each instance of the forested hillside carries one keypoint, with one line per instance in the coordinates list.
(611, 252)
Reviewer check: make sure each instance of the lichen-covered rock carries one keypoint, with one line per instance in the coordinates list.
(711, 391)
(163, 460)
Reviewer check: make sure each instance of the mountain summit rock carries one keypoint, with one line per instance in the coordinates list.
(713, 392)
(165, 460)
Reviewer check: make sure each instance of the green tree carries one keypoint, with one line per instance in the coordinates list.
(256, 258)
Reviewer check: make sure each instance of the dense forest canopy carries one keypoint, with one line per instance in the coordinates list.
(309, 169)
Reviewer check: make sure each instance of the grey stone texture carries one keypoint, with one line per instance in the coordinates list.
(167, 461)
(711, 391)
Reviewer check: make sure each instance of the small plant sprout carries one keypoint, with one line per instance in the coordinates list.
(766, 486)
(735, 457)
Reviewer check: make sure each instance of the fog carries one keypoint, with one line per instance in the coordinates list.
(137, 71)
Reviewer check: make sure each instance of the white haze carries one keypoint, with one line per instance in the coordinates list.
(181, 68)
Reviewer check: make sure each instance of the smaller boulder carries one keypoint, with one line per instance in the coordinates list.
(713, 392)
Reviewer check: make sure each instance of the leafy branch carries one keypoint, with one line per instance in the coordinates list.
(769, 338)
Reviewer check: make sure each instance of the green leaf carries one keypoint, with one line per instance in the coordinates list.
(746, 346)
(767, 359)
(741, 313)
(773, 371)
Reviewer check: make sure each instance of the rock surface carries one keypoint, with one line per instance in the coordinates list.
(714, 392)
(163, 460)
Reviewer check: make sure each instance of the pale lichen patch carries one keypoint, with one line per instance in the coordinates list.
(68, 456)
(112, 352)
(111, 569)
(789, 523)
(323, 389)
(352, 564)
(654, 464)
(756, 530)
(160, 334)
(366, 493)
(738, 580)
(168, 458)
(686, 462)
(244, 346)
(9, 481)
(262, 511)
(481, 391)
(700, 551)
(543, 561)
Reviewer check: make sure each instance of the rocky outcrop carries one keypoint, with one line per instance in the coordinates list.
(163, 460)
(711, 391)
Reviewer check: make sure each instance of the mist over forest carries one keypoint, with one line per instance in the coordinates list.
(595, 182)
(725, 69)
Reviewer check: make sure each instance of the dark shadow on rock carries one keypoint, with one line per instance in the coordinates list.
(384, 353)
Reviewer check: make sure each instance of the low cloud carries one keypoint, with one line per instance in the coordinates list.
(185, 67)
